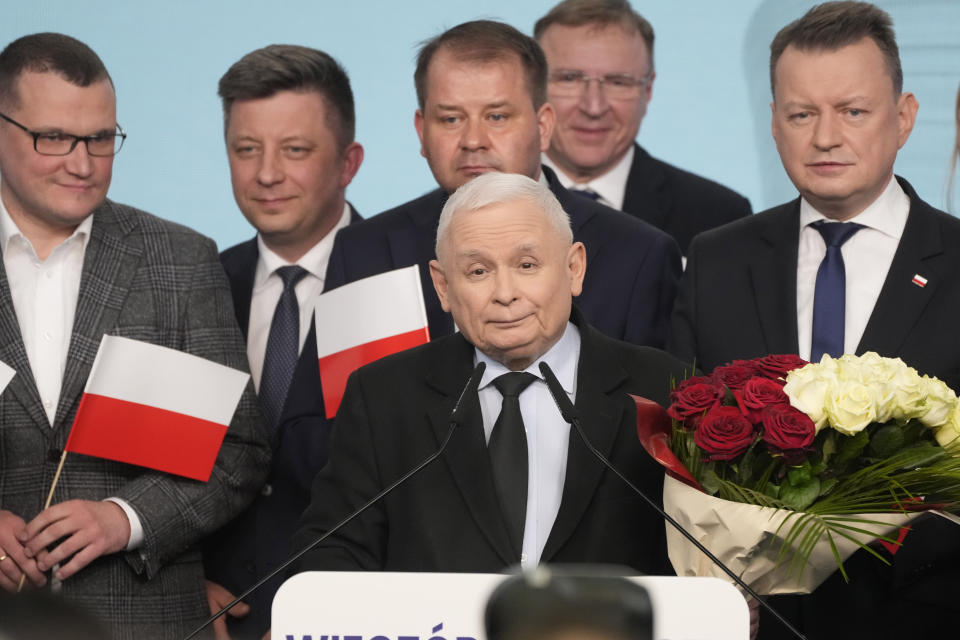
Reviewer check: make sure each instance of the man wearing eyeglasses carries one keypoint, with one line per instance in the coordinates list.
(118, 540)
(600, 55)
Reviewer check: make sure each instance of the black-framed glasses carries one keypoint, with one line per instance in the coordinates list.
(56, 143)
(569, 83)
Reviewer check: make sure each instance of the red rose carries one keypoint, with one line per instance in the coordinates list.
(759, 393)
(692, 400)
(734, 375)
(724, 433)
(689, 382)
(787, 430)
(778, 365)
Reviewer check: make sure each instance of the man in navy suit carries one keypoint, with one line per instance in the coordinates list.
(289, 128)
(600, 54)
(481, 88)
(768, 284)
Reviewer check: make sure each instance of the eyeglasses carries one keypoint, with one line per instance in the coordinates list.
(616, 86)
(55, 143)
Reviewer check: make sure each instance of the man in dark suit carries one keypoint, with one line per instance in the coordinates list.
(481, 87)
(600, 54)
(514, 485)
(121, 541)
(784, 281)
(289, 128)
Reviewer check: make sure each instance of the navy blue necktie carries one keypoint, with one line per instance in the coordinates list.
(589, 194)
(508, 454)
(830, 294)
(283, 346)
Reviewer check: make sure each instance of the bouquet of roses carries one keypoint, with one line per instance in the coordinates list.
(783, 468)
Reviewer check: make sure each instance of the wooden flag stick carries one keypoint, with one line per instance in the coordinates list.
(56, 478)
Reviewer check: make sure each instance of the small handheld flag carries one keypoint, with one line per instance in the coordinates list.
(364, 321)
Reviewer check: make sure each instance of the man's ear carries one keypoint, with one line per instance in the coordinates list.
(546, 119)
(439, 283)
(577, 266)
(418, 125)
(907, 107)
(352, 159)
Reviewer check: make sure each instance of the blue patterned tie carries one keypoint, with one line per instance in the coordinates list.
(508, 454)
(830, 294)
(283, 346)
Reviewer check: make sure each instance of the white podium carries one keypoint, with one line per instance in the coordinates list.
(449, 606)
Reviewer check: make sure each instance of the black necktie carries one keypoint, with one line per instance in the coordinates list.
(508, 454)
(283, 346)
(830, 293)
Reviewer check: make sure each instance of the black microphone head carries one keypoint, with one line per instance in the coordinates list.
(567, 410)
(473, 383)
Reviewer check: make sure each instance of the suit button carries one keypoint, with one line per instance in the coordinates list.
(53, 455)
(267, 490)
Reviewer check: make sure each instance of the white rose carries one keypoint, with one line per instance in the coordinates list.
(949, 433)
(910, 393)
(940, 401)
(850, 407)
(885, 397)
(807, 389)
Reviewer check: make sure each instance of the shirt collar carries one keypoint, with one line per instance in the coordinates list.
(562, 359)
(887, 214)
(9, 230)
(314, 261)
(611, 186)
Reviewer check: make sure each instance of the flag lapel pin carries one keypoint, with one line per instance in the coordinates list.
(919, 280)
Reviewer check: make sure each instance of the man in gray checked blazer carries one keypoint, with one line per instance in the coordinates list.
(119, 540)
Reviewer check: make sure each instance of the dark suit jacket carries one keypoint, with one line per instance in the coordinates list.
(632, 268)
(738, 300)
(677, 201)
(258, 541)
(152, 280)
(396, 412)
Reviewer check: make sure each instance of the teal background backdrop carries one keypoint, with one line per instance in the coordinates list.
(709, 112)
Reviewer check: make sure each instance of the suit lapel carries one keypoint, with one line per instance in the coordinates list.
(109, 265)
(466, 454)
(415, 245)
(13, 353)
(601, 410)
(645, 195)
(241, 275)
(773, 274)
(901, 302)
(580, 210)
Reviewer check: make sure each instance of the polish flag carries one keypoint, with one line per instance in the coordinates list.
(365, 321)
(155, 407)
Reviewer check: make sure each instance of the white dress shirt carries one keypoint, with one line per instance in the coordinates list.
(611, 186)
(267, 287)
(867, 256)
(547, 435)
(44, 294)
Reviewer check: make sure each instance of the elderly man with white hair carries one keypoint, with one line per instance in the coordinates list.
(514, 485)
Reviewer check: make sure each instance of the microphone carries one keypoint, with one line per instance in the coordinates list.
(456, 416)
(572, 416)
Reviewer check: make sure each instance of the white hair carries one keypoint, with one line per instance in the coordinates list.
(495, 188)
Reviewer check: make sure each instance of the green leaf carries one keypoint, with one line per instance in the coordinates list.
(849, 447)
(886, 441)
(829, 444)
(710, 482)
(827, 485)
(800, 475)
(800, 496)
